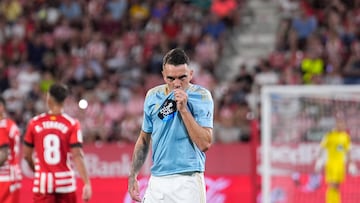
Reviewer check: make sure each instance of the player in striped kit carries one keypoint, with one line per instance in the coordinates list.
(51, 137)
(10, 173)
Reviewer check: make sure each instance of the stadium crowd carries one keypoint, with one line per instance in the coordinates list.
(110, 52)
(317, 42)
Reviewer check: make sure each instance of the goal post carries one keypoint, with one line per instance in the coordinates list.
(293, 120)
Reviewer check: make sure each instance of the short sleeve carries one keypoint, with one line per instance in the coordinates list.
(203, 110)
(147, 124)
(76, 137)
(4, 138)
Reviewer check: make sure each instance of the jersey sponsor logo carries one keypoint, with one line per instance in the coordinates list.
(167, 110)
(340, 147)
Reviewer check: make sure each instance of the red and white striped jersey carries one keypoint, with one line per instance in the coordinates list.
(10, 136)
(52, 137)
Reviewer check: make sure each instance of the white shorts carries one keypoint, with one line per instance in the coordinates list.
(179, 188)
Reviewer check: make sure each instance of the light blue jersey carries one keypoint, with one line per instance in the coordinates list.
(172, 149)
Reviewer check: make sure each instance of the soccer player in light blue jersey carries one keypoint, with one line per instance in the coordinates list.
(178, 122)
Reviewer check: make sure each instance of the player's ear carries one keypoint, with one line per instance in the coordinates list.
(191, 74)
(164, 75)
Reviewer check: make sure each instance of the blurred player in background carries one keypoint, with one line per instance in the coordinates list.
(10, 173)
(52, 136)
(178, 122)
(336, 145)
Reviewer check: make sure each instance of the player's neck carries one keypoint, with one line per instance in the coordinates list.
(56, 110)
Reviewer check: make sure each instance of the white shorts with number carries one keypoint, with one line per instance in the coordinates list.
(179, 188)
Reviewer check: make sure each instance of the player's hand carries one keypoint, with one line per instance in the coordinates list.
(318, 165)
(180, 98)
(87, 192)
(133, 188)
(353, 169)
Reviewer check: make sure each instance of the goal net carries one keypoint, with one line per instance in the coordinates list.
(293, 121)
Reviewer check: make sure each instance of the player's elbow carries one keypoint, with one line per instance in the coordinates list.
(28, 159)
(207, 141)
(27, 156)
(77, 156)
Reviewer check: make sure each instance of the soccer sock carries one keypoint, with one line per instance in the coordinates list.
(332, 195)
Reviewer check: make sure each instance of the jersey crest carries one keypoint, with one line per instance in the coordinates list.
(167, 110)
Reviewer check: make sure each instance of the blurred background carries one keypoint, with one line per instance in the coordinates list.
(110, 53)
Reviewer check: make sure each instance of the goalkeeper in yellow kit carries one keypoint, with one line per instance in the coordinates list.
(336, 144)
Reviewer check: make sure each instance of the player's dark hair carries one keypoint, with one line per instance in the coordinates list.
(2, 101)
(59, 92)
(176, 57)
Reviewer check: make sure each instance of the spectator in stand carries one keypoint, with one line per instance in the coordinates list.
(334, 46)
(27, 76)
(160, 9)
(117, 8)
(108, 27)
(332, 74)
(225, 130)
(96, 48)
(138, 12)
(87, 67)
(95, 10)
(63, 32)
(94, 120)
(136, 100)
(226, 10)
(36, 50)
(14, 49)
(205, 78)
(313, 65)
(171, 28)
(4, 77)
(19, 28)
(215, 27)
(282, 39)
(11, 10)
(71, 10)
(45, 82)
(114, 111)
(265, 75)
(303, 25)
(243, 115)
(288, 8)
(206, 51)
(352, 68)
(14, 97)
(90, 80)
(129, 127)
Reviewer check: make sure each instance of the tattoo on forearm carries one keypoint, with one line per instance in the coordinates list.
(139, 157)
